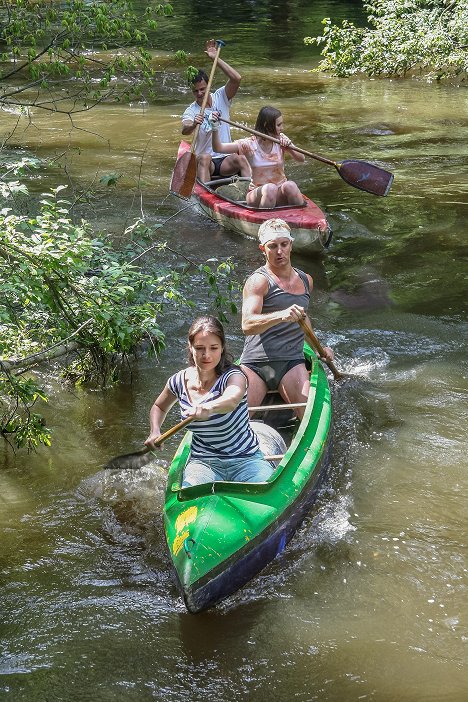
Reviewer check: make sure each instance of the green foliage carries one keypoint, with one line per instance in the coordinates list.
(58, 282)
(54, 277)
(190, 74)
(223, 287)
(110, 178)
(11, 169)
(93, 51)
(404, 37)
(17, 397)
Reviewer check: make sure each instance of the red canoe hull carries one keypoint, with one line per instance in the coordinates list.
(309, 226)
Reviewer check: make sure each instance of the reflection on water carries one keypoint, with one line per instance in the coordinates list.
(369, 600)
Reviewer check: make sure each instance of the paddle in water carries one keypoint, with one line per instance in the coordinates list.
(185, 170)
(360, 174)
(133, 461)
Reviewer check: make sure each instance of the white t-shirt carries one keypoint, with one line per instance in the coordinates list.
(219, 103)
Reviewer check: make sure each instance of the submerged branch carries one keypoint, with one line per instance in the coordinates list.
(55, 351)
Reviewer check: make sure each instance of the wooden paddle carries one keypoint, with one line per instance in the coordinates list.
(360, 174)
(133, 461)
(310, 335)
(185, 170)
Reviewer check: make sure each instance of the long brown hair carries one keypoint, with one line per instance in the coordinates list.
(210, 325)
(266, 120)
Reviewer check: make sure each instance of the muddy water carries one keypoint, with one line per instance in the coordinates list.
(369, 601)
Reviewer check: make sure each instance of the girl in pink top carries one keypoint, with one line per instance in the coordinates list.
(269, 186)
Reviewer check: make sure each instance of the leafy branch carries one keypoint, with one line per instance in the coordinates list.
(76, 54)
(65, 292)
(403, 37)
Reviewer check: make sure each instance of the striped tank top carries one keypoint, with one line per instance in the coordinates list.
(222, 435)
(284, 341)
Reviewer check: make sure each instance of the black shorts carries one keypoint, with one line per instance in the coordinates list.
(273, 372)
(217, 165)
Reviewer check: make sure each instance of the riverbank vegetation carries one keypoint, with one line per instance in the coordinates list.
(67, 293)
(75, 302)
(67, 57)
(403, 37)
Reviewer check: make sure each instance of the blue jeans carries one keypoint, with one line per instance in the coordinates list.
(249, 469)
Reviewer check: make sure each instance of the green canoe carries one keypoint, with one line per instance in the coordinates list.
(220, 535)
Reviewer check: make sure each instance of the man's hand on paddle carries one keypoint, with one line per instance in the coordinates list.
(328, 355)
(294, 314)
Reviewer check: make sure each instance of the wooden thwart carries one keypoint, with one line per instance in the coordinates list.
(267, 408)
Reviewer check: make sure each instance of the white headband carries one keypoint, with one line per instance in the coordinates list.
(274, 229)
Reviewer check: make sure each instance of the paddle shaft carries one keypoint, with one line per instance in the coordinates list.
(170, 432)
(309, 333)
(132, 461)
(277, 141)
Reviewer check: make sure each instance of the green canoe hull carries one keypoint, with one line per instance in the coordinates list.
(221, 535)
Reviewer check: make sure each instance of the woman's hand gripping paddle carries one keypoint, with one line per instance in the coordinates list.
(185, 170)
(133, 461)
(360, 174)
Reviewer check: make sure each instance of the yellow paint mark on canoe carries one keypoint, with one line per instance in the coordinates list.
(186, 518)
(179, 542)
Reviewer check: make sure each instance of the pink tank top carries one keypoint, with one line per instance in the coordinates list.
(266, 167)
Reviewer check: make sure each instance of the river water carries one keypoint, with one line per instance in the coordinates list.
(369, 600)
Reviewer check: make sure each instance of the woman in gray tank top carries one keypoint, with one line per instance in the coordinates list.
(275, 297)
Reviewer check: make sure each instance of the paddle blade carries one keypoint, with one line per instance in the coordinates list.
(366, 176)
(131, 461)
(184, 175)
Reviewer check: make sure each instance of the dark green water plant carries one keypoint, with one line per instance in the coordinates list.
(403, 38)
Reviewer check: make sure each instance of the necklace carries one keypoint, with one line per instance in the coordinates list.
(265, 145)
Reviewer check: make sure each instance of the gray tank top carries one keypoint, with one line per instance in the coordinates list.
(284, 341)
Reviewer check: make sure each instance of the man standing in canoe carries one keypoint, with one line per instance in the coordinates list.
(209, 163)
(275, 297)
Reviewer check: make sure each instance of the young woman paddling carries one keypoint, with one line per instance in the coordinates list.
(214, 392)
(269, 186)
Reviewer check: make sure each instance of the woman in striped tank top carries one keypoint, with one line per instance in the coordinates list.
(213, 391)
